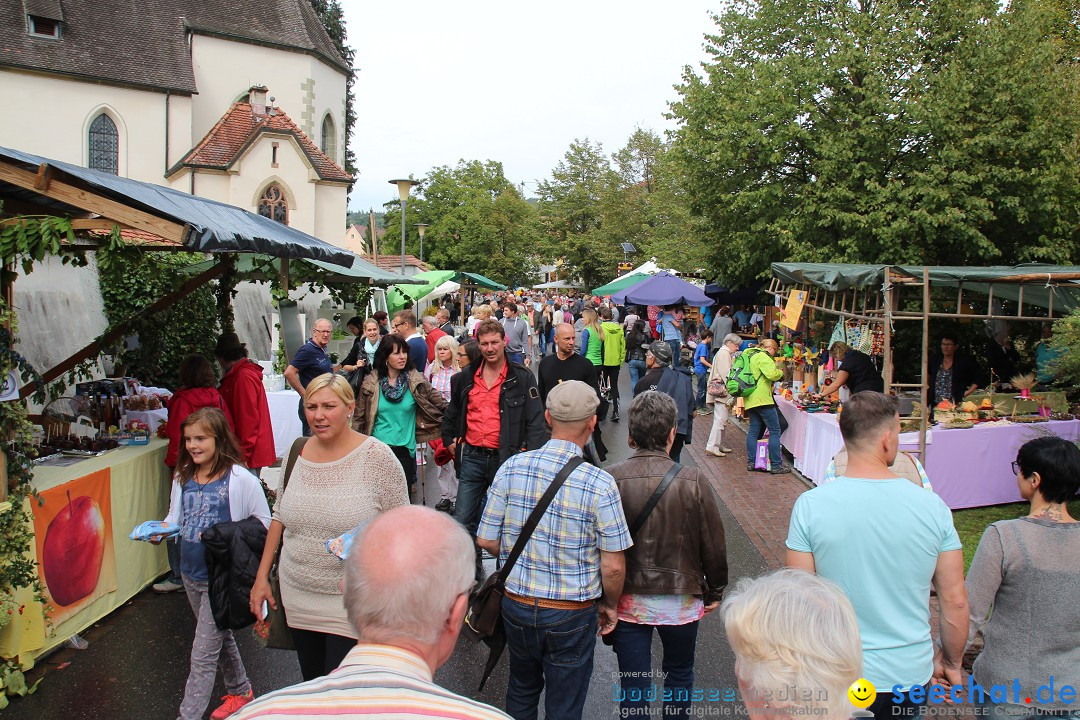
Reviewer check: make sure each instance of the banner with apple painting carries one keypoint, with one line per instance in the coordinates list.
(73, 529)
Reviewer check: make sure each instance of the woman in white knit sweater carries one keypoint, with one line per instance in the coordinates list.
(341, 479)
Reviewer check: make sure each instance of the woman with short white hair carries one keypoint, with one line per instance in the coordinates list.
(793, 629)
(721, 370)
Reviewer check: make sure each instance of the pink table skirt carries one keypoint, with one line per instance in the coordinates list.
(970, 467)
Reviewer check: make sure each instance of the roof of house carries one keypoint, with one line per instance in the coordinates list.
(108, 40)
(239, 127)
(389, 262)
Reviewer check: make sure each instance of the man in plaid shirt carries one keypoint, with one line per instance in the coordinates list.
(573, 559)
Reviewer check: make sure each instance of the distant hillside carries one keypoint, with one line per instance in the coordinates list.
(361, 218)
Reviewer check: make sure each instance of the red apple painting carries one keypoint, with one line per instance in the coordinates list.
(73, 525)
(74, 548)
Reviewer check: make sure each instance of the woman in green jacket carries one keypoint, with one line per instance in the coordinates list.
(592, 338)
(614, 350)
(761, 410)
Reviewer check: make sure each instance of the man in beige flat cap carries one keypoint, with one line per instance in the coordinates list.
(571, 570)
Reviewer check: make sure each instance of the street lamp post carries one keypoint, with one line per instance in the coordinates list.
(420, 228)
(403, 188)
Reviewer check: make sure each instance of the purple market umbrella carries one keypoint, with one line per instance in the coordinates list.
(663, 288)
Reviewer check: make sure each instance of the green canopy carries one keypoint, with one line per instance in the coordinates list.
(468, 278)
(1038, 280)
(621, 283)
(398, 297)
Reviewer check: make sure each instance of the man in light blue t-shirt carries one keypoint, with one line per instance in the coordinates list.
(885, 541)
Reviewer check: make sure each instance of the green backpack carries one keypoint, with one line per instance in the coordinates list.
(742, 381)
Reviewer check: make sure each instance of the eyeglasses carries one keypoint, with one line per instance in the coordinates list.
(1015, 468)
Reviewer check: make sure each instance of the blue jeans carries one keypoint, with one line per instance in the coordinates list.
(702, 383)
(637, 369)
(636, 686)
(304, 429)
(517, 357)
(552, 646)
(765, 417)
(541, 340)
(474, 478)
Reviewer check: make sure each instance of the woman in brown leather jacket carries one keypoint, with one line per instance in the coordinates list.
(677, 569)
(397, 405)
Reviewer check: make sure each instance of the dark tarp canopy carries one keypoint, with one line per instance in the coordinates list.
(264, 267)
(1038, 280)
(208, 226)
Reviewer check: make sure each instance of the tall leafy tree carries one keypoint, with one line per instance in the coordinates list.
(333, 19)
(477, 219)
(571, 212)
(938, 131)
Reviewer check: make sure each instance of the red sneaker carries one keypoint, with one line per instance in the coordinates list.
(232, 704)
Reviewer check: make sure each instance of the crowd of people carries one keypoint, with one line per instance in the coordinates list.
(623, 552)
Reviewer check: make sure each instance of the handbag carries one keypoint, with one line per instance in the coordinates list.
(642, 516)
(484, 618)
(273, 630)
(761, 456)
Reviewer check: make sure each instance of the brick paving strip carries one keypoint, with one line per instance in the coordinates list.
(760, 502)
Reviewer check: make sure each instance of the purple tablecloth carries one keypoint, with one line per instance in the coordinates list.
(970, 468)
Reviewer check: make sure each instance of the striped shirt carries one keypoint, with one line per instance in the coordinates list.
(562, 558)
(373, 681)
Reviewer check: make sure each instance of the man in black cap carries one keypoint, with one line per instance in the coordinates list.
(674, 382)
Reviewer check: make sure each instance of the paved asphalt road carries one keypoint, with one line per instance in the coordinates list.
(137, 661)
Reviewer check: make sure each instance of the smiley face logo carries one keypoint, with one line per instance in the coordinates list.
(862, 693)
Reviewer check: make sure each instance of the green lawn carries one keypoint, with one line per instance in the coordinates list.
(971, 523)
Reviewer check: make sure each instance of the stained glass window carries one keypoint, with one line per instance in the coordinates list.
(273, 205)
(104, 145)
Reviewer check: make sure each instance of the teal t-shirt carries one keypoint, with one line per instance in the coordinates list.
(395, 422)
(879, 540)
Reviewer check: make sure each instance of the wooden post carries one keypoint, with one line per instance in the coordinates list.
(923, 392)
(887, 360)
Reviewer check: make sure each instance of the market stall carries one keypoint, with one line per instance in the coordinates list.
(868, 300)
(90, 496)
(128, 485)
(968, 467)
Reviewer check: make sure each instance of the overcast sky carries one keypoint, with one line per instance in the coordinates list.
(510, 81)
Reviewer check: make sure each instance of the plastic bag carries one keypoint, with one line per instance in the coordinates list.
(154, 528)
(761, 455)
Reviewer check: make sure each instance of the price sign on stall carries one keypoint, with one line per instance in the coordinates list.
(9, 388)
(793, 309)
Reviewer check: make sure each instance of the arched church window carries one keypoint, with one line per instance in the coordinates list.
(329, 138)
(274, 205)
(104, 141)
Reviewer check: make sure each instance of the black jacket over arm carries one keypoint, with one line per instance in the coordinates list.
(966, 372)
(233, 553)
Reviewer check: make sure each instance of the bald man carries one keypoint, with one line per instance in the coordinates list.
(309, 362)
(407, 582)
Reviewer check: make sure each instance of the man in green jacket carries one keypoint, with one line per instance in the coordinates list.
(761, 410)
(614, 352)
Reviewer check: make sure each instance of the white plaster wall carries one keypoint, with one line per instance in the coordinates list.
(50, 116)
(330, 202)
(225, 69)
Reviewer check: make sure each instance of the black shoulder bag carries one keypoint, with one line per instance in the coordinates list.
(484, 619)
(643, 515)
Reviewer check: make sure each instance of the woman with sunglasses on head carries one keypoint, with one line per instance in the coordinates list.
(397, 405)
(1023, 584)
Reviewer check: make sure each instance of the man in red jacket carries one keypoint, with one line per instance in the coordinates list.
(242, 389)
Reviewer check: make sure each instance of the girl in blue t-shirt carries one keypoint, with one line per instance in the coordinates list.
(702, 367)
(210, 486)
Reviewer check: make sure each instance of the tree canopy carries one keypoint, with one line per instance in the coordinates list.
(936, 131)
